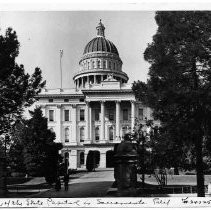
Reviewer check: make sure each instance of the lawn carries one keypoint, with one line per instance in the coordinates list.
(176, 179)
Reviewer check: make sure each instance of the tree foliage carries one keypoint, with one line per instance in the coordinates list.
(40, 151)
(15, 152)
(18, 89)
(178, 88)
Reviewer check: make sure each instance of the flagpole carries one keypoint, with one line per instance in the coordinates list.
(61, 54)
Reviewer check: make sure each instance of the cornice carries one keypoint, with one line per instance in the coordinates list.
(99, 72)
(69, 96)
(111, 144)
(100, 55)
(96, 91)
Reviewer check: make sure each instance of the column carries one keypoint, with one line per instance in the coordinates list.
(82, 82)
(90, 123)
(87, 81)
(87, 139)
(117, 120)
(73, 134)
(102, 122)
(58, 123)
(132, 114)
(76, 84)
(95, 80)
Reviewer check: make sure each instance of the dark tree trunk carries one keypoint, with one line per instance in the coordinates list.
(199, 168)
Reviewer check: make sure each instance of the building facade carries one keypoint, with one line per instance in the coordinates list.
(101, 108)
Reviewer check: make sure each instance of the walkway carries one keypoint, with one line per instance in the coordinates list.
(93, 184)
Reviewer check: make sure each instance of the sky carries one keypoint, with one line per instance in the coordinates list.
(43, 33)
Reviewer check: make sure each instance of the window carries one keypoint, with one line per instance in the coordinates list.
(109, 65)
(104, 64)
(81, 114)
(81, 99)
(88, 65)
(125, 114)
(82, 158)
(98, 64)
(93, 64)
(111, 134)
(51, 115)
(66, 115)
(97, 134)
(97, 114)
(50, 100)
(66, 155)
(66, 100)
(67, 134)
(111, 115)
(141, 114)
(82, 134)
(114, 66)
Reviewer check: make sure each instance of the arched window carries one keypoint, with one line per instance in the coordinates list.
(82, 158)
(97, 134)
(82, 134)
(111, 133)
(67, 134)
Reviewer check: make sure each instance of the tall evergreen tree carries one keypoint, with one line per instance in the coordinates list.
(40, 151)
(178, 88)
(18, 89)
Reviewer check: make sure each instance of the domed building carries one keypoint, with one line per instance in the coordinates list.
(99, 111)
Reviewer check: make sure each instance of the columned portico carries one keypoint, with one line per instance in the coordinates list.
(117, 120)
(99, 111)
(102, 121)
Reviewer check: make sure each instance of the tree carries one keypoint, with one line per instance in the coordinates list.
(18, 89)
(15, 152)
(40, 151)
(92, 160)
(178, 88)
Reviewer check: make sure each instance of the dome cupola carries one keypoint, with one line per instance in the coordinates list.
(100, 59)
(100, 29)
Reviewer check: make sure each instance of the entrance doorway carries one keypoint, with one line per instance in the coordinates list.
(110, 159)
